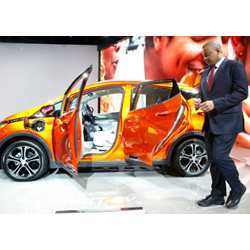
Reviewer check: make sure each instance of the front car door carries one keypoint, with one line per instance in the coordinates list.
(156, 112)
(67, 132)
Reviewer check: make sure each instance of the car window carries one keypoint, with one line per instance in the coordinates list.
(149, 95)
(101, 101)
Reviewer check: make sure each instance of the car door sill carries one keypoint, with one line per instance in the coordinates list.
(128, 163)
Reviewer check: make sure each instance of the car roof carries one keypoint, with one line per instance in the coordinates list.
(112, 82)
(127, 82)
(106, 83)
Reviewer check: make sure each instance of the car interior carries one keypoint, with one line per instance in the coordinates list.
(101, 113)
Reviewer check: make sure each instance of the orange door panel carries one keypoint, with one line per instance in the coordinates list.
(146, 128)
(68, 128)
(67, 139)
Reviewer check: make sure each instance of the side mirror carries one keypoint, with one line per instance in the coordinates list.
(57, 113)
(44, 111)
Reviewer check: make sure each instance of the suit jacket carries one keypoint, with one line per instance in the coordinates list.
(229, 89)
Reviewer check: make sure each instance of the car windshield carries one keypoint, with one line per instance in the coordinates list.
(58, 106)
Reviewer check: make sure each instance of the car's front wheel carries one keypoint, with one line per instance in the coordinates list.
(191, 157)
(24, 160)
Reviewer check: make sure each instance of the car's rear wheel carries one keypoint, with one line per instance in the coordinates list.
(25, 160)
(191, 158)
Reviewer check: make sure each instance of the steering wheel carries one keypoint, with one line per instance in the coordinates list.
(87, 113)
(90, 109)
(89, 117)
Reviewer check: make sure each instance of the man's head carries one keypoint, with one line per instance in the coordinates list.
(212, 52)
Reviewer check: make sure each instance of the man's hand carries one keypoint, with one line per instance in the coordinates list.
(197, 102)
(207, 106)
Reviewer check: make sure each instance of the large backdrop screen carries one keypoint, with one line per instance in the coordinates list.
(178, 57)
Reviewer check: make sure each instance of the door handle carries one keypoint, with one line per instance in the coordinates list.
(164, 113)
(65, 124)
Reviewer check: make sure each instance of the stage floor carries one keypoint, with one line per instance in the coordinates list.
(149, 191)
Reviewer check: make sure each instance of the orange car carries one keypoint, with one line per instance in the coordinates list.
(153, 123)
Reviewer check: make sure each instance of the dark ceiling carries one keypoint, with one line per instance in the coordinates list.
(100, 41)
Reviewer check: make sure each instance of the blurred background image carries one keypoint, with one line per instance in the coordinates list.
(164, 57)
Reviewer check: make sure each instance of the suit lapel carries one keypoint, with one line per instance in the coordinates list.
(204, 82)
(218, 72)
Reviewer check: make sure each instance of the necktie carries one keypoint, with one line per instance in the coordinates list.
(211, 77)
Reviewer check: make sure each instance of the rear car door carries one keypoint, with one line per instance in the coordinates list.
(156, 112)
(68, 128)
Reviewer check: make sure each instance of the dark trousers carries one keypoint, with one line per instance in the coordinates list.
(222, 167)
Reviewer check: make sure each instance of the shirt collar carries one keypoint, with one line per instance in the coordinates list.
(217, 65)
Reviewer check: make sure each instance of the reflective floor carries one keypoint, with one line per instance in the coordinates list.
(111, 191)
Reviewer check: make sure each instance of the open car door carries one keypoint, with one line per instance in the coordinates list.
(68, 128)
(156, 112)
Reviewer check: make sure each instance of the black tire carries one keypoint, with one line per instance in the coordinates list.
(25, 160)
(190, 158)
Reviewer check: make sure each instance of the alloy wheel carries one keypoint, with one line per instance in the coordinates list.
(193, 158)
(23, 162)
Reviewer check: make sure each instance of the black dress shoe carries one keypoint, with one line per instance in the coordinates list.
(234, 198)
(211, 201)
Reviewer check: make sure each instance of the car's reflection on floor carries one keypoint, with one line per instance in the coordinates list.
(110, 190)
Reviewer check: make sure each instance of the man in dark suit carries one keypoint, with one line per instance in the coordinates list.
(223, 87)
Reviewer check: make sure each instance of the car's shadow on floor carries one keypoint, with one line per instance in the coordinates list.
(85, 173)
(128, 170)
(168, 171)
